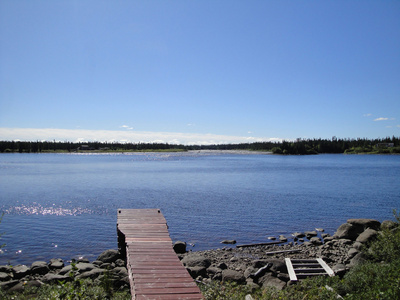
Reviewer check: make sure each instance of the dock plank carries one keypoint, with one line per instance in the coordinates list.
(155, 271)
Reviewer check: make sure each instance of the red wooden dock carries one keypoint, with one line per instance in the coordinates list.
(155, 271)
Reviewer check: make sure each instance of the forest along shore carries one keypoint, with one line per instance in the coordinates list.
(255, 265)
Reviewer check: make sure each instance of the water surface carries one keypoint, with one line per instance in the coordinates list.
(65, 205)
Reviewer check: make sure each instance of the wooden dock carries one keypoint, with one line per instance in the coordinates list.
(155, 271)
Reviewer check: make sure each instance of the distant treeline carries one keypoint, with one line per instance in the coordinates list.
(300, 146)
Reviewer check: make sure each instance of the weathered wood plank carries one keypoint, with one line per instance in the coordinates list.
(290, 269)
(327, 269)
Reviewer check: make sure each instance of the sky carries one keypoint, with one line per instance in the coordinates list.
(199, 72)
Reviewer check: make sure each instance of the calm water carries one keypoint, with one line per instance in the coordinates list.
(65, 205)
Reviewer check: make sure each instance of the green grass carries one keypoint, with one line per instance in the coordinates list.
(78, 289)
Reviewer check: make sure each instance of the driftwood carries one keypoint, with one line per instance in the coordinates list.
(261, 271)
(282, 251)
(258, 244)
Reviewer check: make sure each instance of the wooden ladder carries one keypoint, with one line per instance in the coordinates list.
(303, 268)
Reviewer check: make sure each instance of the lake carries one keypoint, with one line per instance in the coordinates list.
(65, 205)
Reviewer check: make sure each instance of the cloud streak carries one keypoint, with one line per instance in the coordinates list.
(384, 119)
(81, 135)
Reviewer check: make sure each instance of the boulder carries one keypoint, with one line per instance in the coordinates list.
(359, 258)
(120, 263)
(339, 269)
(271, 281)
(367, 236)
(278, 265)
(299, 235)
(8, 284)
(358, 246)
(222, 266)
(85, 267)
(352, 252)
(310, 234)
(39, 267)
(92, 274)
(180, 247)
(4, 276)
(316, 240)
(347, 231)
(109, 256)
(197, 271)
(20, 271)
(5, 269)
(120, 272)
(196, 261)
(65, 270)
(232, 275)
(363, 224)
(56, 263)
(54, 278)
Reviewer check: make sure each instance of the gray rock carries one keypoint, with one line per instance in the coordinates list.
(347, 231)
(249, 271)
(358, 246)
(21, 286)
(5, 269)
(271, 281)
(352, 252)
(20, 271)
(39, 267)
(54, 278)
(316, 240)
(282, 238)
(278, 265)
(92, 274)
(109, 256)
(299, 235)
(84, 267)
(213, 270)
(359, 258)
(232, 275)
(197, 271)
(339, 269)
(180, 247)
(367, 236)
(120, 272)
(8, 284)
(228, 242)
(98, 262)
(120, 263)
(56, 263)
(310, 234)
(4, 276)
(65, 270)
(363, 224)
(222, 266)
(196, 261)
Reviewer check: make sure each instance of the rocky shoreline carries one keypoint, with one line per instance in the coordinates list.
(254, 265)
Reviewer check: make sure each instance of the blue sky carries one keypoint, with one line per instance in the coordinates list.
(199, 71)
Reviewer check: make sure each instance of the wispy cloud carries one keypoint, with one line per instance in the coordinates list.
(80, 135)
(126, 127)
(384, 119)
(367, 115)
